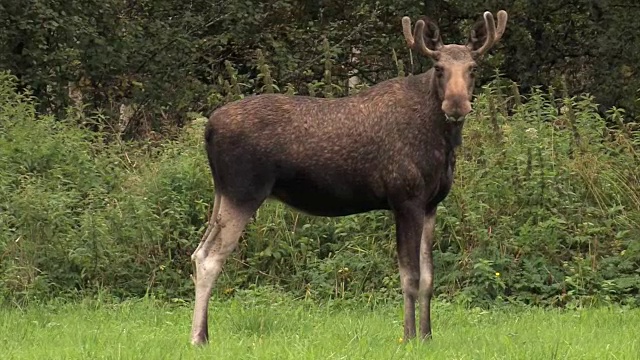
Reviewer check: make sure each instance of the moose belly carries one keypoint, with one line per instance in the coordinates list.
(337, 198)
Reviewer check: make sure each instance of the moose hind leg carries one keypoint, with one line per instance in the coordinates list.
(211, 255)
(210, 227)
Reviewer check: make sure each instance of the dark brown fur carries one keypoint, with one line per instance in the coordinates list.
(334, 157)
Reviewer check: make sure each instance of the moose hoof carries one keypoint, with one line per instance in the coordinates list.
(199, 340)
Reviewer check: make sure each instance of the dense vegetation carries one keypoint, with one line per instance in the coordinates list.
(156, 60)
(545, 210)
(546, 203)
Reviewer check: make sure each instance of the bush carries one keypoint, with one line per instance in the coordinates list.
(544, 211)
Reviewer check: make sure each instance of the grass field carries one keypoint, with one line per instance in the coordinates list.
(298, 330)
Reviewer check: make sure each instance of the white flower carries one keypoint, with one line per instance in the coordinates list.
(533, 133)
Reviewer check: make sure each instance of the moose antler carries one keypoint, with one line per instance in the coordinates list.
(493, 35)
(419, 34)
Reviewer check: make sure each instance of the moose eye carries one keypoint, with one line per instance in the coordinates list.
(439, 71)
(472, 69)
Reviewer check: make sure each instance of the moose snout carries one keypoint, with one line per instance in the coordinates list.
(457, 106)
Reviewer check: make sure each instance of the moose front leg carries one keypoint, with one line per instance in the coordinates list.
(426, 274)
(409, 223)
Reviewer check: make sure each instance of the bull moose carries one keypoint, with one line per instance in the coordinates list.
(389, 147)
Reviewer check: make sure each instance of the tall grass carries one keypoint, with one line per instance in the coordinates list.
(545, 210)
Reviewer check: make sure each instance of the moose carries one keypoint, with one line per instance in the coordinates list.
(389, 147)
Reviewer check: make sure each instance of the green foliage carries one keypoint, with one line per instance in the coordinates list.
(108, 53)
(79, 215)
(163, 58)
(552, 207)
(544, 210)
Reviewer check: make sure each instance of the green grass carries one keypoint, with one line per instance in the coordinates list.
(297, 330)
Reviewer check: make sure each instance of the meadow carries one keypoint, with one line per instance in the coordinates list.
(277, 327)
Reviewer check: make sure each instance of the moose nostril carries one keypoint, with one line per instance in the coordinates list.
(465, 108)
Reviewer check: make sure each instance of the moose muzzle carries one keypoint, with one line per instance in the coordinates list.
(456, 107)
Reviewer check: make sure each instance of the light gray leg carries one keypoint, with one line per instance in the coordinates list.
(210, 256)
(212, 221)
(426, 274)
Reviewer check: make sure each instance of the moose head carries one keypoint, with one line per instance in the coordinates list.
(455, 64)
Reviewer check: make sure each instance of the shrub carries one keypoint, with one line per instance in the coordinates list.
(545, 211)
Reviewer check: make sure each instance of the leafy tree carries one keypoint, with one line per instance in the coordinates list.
(166, 58)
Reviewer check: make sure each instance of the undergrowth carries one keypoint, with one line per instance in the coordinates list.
(545, 210)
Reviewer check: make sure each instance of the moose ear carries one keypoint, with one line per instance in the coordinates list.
(477, 35)
(432, 37)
